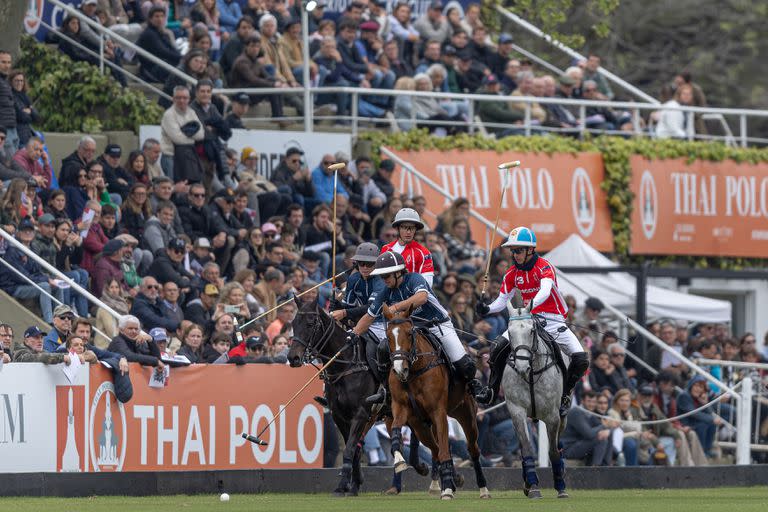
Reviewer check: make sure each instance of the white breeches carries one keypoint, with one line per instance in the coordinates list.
(379, 331)
(568, 341)
(450, 340)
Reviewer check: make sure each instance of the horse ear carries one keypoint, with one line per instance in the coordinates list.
(387, 312)
(297, 301)
(517, 300)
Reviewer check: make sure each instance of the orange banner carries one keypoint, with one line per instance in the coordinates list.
(195, 422)
(699, 208)
(556, 195)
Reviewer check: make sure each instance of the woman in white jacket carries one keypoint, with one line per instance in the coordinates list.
(672, 123)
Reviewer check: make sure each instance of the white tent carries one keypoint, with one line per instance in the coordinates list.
(618, 288)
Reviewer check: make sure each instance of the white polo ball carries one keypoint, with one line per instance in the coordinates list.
(224, 497)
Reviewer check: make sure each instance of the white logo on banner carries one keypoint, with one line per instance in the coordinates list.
(33, 16)
(649, 204)
(583, 202)
(110, 453)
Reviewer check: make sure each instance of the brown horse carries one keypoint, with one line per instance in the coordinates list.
(423, 397)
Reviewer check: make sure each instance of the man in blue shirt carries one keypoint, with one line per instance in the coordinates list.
(322, 179)
(405, 290)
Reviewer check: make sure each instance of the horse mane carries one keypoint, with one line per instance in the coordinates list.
(517, 300)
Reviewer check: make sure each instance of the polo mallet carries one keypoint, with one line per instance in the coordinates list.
(335, 168)
(258, 440)
(289, 300)
(502, 167)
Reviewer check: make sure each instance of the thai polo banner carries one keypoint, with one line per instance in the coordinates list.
(196, 420)
(556, 195)
(699, 208)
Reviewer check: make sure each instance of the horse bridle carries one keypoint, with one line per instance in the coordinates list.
(314, 350)
(404, 355)
(530, 352)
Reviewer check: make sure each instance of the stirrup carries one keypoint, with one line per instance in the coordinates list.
(565, 405)
(377, 398)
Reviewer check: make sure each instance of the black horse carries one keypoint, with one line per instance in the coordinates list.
(348, 381)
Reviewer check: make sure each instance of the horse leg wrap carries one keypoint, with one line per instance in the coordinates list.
(397, 440)
(446, 475)
(558, 474)
(382, 357)
(576, 370)
(346, 475)
(529, 472)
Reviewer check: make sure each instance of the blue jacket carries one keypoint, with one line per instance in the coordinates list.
(54, 342)
(412, 284)
(686, 403)
(229, 14)
(152, 314)
(10, 280)
(360, 293)
(324, 186)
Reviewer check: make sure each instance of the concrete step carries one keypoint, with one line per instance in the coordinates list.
(20, 315)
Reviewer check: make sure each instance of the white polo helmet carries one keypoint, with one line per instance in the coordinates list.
(408, 215)
(521, 236)
(388, 262)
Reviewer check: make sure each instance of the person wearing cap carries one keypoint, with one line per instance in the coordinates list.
(200, 310)
(498, 112)
(28, 158)
(169, 265)
(12, 282)
(200, 255)
(292, 178)
(590, 317)
(108, 268)
(432, 25)
(63, 316)
(497, 62)
(118, 179)
(417, 258)
(148, 309)
(668, 436)
(406, 291)
(238, 108)
(32, 350)
(255, 352)
(535, 279)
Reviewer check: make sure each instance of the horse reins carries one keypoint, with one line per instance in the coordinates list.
(412, 355)
(313, 351)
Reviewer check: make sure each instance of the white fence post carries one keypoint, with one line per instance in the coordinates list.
(744, 417)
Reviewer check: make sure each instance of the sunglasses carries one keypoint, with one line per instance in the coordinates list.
(519, 250)
(66, 317)
(366, 264)
(198, 195)
(154, 286)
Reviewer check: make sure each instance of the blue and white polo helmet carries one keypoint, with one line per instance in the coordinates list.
(521, 236)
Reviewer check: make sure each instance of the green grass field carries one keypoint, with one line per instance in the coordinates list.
(694, 500)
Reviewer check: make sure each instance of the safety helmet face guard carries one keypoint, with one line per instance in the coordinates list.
(408, 215)
(387, 263)
(521, 237)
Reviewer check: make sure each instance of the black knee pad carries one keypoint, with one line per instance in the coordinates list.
(466, 367)
(579, 363)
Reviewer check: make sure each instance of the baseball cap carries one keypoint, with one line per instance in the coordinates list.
(158, 334)
(268, 227)
(369, 26)
(594, 303)
(242, 98)
(33, 331)
(46, 219)
(178, 244)
(90, 2)
(203, 243)
(646, 390)
(490, 79)
(112, 247)
(464, 54)
(26, 224)
(227, 194)
(436, 4)
(566, 80)
(449, 50)
(63, 309)
(293, 151)
(113, 150)
(210, 289)
(505, 38)
(253, 342)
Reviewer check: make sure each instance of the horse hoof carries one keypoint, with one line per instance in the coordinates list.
(434, 488)
(534, 494)
(338, 494)
(447, 494)
(562, 494)
(485, 494)
(422, 469)
(400, 464)
(392, 491)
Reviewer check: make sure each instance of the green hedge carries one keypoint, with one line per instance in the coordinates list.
(616, 153)
(76, 97)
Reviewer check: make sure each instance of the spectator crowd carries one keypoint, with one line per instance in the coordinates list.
(186, 240)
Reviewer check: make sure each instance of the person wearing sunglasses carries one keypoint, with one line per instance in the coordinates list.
(417, 258)
(536, 280)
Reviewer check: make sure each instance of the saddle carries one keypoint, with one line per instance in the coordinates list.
(437, 346)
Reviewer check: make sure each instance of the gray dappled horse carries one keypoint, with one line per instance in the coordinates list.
(533, 387)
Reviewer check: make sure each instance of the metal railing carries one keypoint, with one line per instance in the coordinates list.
(105, 32)
(528, 127)
(574, 54)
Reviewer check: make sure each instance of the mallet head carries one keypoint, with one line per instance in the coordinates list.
(509, 165)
